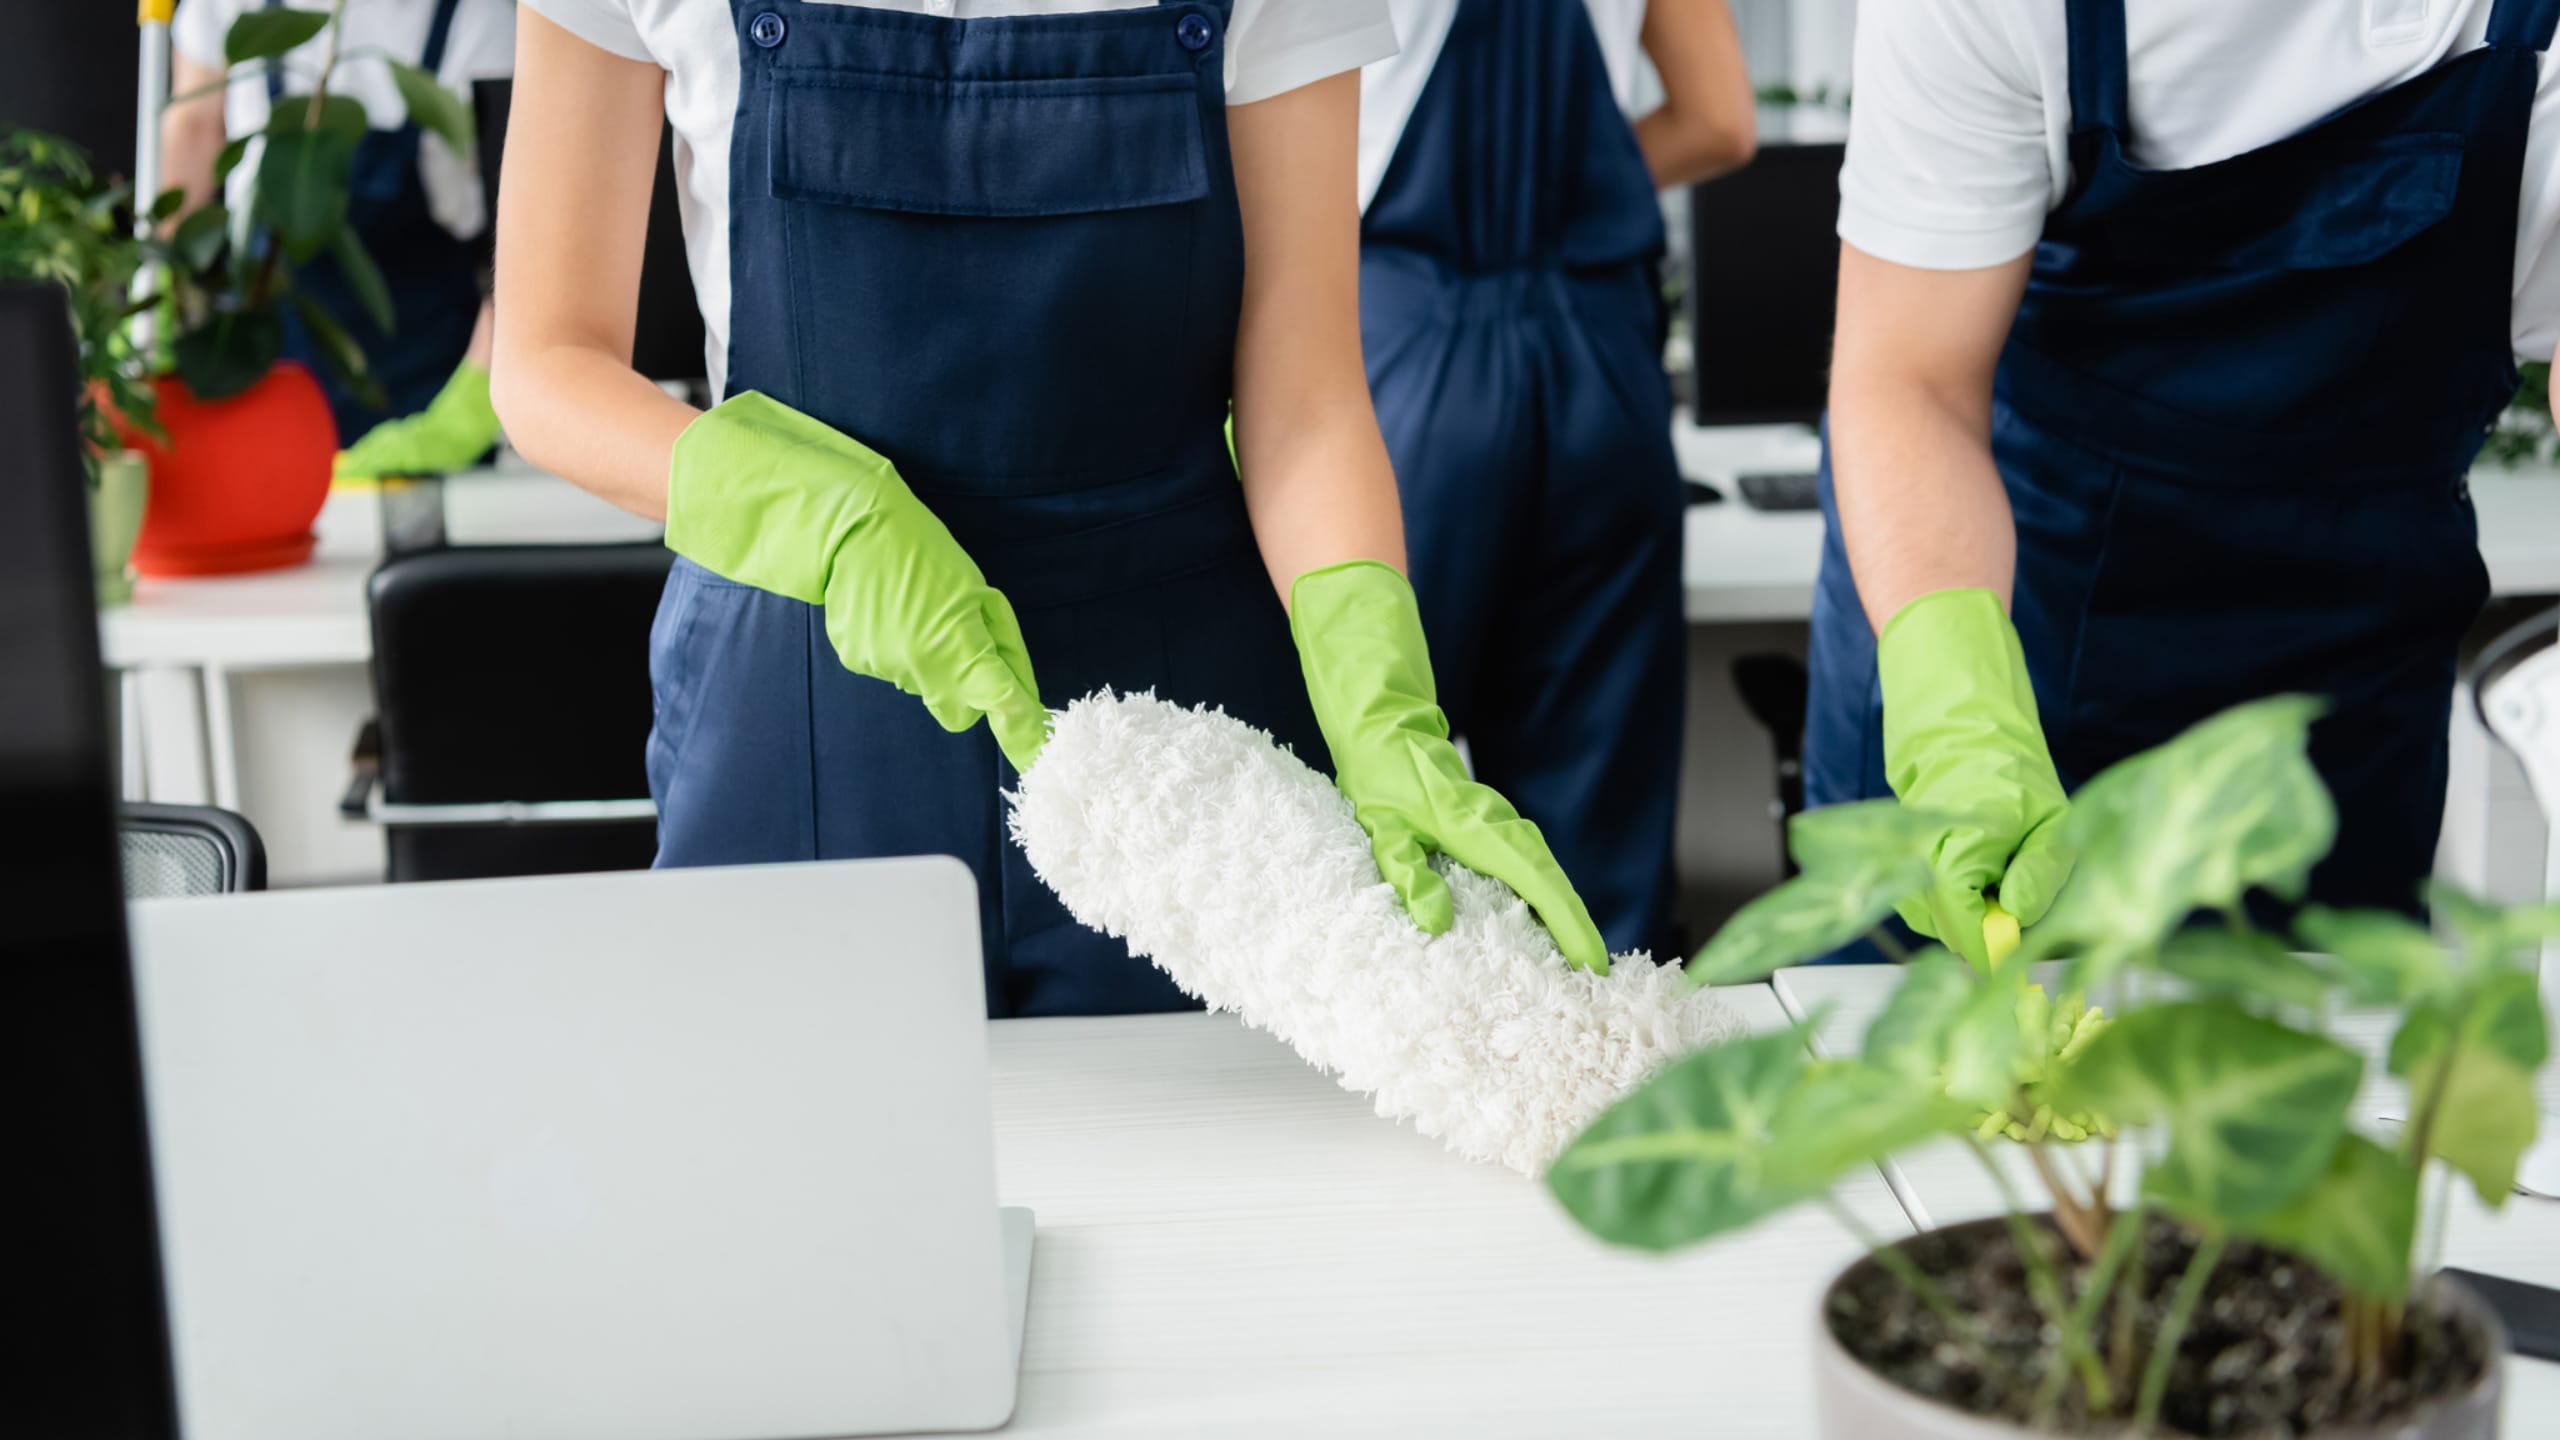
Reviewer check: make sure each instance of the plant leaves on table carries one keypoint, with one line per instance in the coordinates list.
(437, 110)
(1910, 1034)
(265, 34)
(1686, 1156)
(1985, 1042)
(302, 188)
(2384, 957)
(2358, 1221)
(2254, 1109)
(1846, 1113)
(2243, 965)
(2493, 937)
(2471, 1057)
(229, 353)
(2231, 805)
(1857, 861)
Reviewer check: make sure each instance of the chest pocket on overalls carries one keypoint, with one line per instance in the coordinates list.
(992, 278)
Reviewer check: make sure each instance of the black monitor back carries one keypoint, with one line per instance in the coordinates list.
(667, 342)
(85, 1277)
(1763, 287)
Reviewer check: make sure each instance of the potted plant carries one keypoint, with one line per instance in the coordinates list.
(2257, 1204)
(246, 462)
(63, 225)
(2526, 434)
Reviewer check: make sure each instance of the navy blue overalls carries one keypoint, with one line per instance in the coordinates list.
(1006, 254)
(1512, 321)
(434, 278)
(2234, 418)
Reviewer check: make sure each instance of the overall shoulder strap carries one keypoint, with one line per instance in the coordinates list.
(438, 33)
(2098, 64)
(2524, 24)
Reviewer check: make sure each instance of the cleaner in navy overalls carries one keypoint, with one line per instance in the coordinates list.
(2202, 429)
(1512, 323)
(980, 287)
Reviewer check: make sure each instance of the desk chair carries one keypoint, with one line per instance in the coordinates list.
(2515, 682)
(511, 686)
(187, 850)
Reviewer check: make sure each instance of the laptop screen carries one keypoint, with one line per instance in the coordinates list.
(87, 1276)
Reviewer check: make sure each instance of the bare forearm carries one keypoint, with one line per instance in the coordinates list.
(588, 417)
(1319, 488)
(1921, 504)
(192, 133)
(1708, 122)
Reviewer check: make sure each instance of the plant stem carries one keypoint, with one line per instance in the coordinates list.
(2122, 1236)
(2422, 1125)
(2078, 1221)
(2173, 1329)
(2044, 1284)
(1893, 949)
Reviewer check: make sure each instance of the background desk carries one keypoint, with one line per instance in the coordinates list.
(246, 691)
(1943, 1184)
(1232, 1245)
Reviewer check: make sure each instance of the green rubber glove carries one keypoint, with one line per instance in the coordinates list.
(452, 433)
(1961, 739)
(768, 497)
(1368, 673)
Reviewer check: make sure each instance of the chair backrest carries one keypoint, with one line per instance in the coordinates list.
(188, 850)
(2516, 683)
(515, 674)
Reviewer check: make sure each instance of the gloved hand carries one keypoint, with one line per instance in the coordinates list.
(1961, 739)
(1368, 673)
(453, 432)
(768, 497)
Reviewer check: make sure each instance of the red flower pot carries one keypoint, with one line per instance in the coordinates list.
(239, 481)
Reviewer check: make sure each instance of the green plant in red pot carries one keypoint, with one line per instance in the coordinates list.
(250, 441)
(63, 224)
(2263, 1272)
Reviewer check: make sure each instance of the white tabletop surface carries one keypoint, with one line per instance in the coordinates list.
(1230, 1244)
(1944, 1183)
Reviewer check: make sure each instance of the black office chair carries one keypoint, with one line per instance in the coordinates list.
(188, 850)
(1774, 690)
(512, 710)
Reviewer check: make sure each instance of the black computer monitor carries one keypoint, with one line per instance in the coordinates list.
(1764, 279)
(85, 1273)
(666, 344)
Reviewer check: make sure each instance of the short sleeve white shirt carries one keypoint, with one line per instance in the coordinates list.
(1271, 48)
(1959, 140)
(481, 46)
(1391, 88)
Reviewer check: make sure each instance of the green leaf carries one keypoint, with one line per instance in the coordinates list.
(169, 203)
(1988, 1039)
(2358, 1222)
(1910, 1035)
(1858, 860)
(341, 115)
(338, 349)
(2484, 1114)
(2254, 1109)
(2493, 938)
(437, 110)
(229, 159)
(1845, 1114)
(365, 278)
(199, 238)
(2245, 965)
(2385, 957)
(1686, 1156)
(229, 353)
(265, 34)
(302, 188)
(2229, 806)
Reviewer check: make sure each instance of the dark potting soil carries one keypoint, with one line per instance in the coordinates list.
(2264, 1355)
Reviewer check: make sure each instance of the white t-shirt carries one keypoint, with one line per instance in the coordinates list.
(1959, 143)
(1272, 47)
(1390, 88)
(481, 46)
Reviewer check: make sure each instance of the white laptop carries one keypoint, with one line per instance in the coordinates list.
(674, 1155)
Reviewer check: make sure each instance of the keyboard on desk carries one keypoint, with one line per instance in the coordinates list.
(1789, 490)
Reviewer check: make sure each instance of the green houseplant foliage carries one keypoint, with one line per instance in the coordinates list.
(231, 283)
(2527, 432)
(2219, 1049)
(62, 224)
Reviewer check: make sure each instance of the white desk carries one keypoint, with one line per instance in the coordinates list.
(1232, 1245)
(1943, 1184)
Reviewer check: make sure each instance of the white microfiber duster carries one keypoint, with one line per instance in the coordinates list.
(1241, 873)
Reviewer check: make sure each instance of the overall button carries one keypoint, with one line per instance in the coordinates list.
(1195, 32)
(766, 30)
